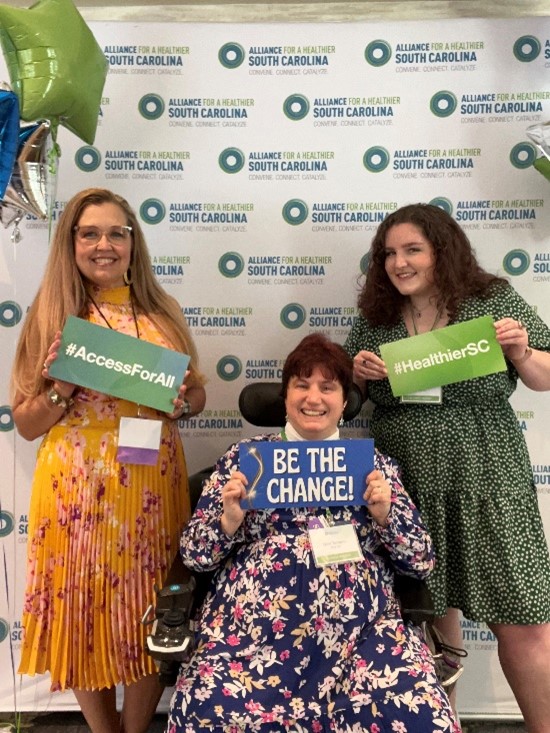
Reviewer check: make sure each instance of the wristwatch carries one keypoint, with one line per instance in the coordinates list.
(58, 400)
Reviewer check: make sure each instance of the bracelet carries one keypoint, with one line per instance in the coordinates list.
(526, 355)
(58, 400)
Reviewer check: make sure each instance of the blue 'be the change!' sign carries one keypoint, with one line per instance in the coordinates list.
(309, 473)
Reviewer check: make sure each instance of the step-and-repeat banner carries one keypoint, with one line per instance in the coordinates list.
(261, 158)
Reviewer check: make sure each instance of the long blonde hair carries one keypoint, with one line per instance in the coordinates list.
(63, 293)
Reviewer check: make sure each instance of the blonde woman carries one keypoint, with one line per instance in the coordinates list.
(101, 532)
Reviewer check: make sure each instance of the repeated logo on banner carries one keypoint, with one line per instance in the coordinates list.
(260, 159)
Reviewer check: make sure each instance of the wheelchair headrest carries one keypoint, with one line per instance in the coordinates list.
(261, 403)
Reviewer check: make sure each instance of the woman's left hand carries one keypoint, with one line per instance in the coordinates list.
(378, 497)
(179, 401)
(513, 337)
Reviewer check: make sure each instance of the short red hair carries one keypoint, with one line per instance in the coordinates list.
(316, 350)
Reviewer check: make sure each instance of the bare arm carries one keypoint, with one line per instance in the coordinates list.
(36, 415)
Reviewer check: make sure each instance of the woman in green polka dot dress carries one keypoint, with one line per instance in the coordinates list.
(464, 459)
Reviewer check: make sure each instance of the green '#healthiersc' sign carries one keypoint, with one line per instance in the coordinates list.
(116, 364)
(447, 355)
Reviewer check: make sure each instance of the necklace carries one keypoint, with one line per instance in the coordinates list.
(98, 309)
(437, 317)
(419, 311)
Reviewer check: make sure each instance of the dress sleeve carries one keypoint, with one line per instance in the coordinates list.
(512, 305)
(203, 544)
(353, 343)
(405, 537)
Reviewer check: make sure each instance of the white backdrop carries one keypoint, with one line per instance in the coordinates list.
(261, 158)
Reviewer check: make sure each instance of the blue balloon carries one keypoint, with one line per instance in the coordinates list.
(9, 136)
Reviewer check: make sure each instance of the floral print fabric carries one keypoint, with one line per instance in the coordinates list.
(285, 646)
(101, 534)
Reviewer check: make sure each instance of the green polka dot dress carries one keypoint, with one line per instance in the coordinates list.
(465, 464)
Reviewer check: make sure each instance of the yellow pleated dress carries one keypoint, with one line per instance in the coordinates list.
(101, 534)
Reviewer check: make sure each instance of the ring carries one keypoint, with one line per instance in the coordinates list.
(364, 362)
(520, 325)
(45, 365)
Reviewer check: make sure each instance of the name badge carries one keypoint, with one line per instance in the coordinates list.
(335, 545)
(433, 396)
(138, 441)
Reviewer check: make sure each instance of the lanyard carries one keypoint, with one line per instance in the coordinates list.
(98, 309)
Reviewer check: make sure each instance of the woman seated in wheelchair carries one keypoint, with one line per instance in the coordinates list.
(285, 643)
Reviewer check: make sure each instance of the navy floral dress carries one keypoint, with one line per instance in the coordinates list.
(286, 646)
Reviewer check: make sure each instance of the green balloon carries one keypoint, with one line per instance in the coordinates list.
(543, 166)
(56, 67)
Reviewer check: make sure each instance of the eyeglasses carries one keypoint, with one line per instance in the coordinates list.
(93, 235)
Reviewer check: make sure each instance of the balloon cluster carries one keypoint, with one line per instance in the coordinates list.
(540, 135)
(57, 72)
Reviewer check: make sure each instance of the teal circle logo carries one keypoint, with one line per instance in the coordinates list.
(378, 53)
(516, 262)
(231, 160)
(376, 159)
(10, 313)
(443, 104)
(7, 523)
(231, 55)
(523, 155)
(293, 315)
(364, 263)
(152, 211)
(295, 212)
(296, 107)
(87, 159)
(6, 419)
(229, 368)
(4, 629)
(443, 203)
(231, 264)
(151, 106)
(526, 48)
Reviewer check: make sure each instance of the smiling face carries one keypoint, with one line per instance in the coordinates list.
(314, 405)
(103, 264)
(410, 261)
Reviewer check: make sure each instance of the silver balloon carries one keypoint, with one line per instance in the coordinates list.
(29, 189)
(540, 134)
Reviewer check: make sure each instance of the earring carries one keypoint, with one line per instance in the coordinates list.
(127, 277)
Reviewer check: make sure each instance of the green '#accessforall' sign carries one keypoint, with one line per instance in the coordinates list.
(116, 364)
(452, 354)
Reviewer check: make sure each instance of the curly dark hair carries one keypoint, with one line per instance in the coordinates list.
(316, 350)
(457, 274)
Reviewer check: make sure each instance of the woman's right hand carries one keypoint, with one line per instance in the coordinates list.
(232, 494)
(65, 389)
(368, 367)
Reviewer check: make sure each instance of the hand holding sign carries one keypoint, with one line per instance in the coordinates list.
(65, 389)
(378, 497)
(512, 336)
(233, 493)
